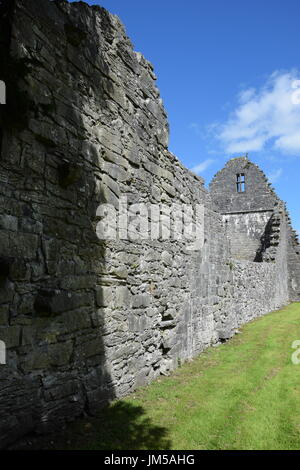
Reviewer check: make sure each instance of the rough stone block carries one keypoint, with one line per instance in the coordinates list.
(104, 295)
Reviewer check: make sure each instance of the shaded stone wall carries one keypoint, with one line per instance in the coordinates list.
(245, 231)
(87, 320)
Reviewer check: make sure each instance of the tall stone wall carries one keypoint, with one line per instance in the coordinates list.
(86, 320)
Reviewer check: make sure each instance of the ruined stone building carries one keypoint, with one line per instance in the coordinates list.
(86, 320)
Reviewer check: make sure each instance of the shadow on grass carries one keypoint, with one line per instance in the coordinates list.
(120, 426)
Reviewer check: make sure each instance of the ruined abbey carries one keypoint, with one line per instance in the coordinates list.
(85, 320)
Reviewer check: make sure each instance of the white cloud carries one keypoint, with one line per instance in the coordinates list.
(267, 117)
(246, 95)
(202, 166)
(274, 175)
(290, 143)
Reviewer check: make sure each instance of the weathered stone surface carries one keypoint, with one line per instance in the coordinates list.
(104, 296)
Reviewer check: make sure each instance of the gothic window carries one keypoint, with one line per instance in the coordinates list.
(240, 182)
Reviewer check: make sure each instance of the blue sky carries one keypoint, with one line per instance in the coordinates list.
(229, 76)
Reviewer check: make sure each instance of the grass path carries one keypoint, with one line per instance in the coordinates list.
(244, 394)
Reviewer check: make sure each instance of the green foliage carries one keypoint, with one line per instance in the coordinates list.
(231, 265)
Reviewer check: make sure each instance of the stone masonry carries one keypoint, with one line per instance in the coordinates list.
(87, 320)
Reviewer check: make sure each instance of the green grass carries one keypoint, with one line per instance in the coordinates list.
(244, 394)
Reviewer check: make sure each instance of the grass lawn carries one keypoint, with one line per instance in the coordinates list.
(244, 394)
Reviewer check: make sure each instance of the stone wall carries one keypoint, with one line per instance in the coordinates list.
(256, 221)
(87, 320)
(245, 231)
(258, 194)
